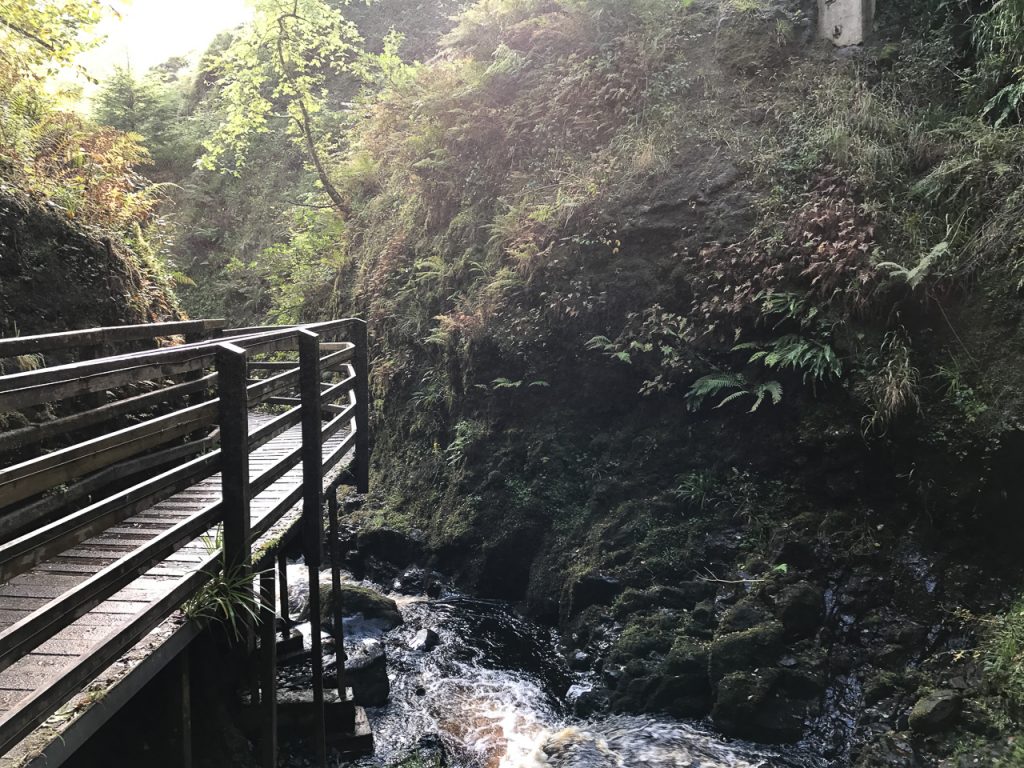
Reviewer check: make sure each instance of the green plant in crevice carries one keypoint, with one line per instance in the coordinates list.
(467, 433)
(891, 386)
(227, 598)
(957, 391)
(1001, 653)
(697, 488)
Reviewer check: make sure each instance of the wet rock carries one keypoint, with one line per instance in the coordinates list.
(366, 672)
(592, 589)
(359, 601)
(801, 609)
(573, 748)
(935, 711)
(579, 661)
(425, 640)
(756, 647)
(418, 581)
(590, 703)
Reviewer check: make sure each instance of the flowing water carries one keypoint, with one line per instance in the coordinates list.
(497, 694)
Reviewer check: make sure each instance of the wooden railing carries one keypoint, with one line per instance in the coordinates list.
(75, 487)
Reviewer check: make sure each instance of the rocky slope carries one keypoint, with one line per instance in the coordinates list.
(55, 276)
(696, 337)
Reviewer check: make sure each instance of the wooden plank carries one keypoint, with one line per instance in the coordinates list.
(17, 724)
(362, 395)
(22, 553)
(46, 621)
(22, 390)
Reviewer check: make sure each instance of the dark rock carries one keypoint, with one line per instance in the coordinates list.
(756, 647)
(801, 608)
(425, 640)
(935, 711)
(366, 672)
(590, 703)
(592, 589)
(702, 619)
(751, 705)
(389, 546)
(744, 615)
(418, 581)
(580, 661)
(430, 750)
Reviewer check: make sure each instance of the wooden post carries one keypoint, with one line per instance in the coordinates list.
(234, 465)
(362, 390)
(268, 670)
(312, 517)
(339, 627)
(282, 576)
(183, 694)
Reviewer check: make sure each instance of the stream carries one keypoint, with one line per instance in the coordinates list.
(497, 693)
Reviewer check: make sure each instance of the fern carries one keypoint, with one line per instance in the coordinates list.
(915, 275)
(817, 360)
(717, 383)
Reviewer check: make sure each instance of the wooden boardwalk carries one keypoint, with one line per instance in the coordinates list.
(80, 589)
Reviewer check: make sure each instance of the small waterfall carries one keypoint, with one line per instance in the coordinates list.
(497, 694)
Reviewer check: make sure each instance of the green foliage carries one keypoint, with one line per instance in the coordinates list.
(736, 386)
(815, 360)
(227, 598)
(999, 38)
(280, 64)
(1002, 654)
(41, 36)
(154, 107)
(891, 384)
(696, 488)
(467, 433)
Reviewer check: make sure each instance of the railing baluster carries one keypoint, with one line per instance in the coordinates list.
(362, 390)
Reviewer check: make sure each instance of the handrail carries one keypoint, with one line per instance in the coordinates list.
(49, 342)
(327, 372)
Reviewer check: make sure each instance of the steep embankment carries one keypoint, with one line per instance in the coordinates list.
(55, 276)
(696, 336)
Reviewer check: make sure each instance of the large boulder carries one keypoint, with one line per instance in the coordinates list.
(759, 646)
(592, 589)
(357, 602)
(757, 705)
(935, 711)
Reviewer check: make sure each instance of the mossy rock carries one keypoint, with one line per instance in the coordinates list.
(357, 600)
(751, 705)
(758, 646)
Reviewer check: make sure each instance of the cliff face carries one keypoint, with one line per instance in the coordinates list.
(55, 276)
(694, 336)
